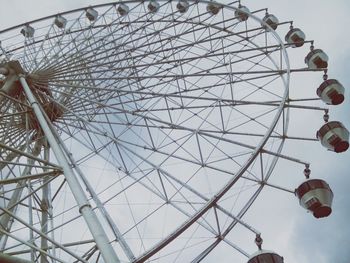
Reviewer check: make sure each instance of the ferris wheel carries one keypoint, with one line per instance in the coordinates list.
(144, 131)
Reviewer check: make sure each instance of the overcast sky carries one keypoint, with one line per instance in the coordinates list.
(307, 240)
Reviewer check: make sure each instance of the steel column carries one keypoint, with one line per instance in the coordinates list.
(45, 205)
(85, 209)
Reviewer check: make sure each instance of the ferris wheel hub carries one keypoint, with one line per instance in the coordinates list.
(38, 83)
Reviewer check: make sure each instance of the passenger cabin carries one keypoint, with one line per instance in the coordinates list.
(271, 20)
(316, 59)
(60, 21)
(334, 136)
(316, 196)
(123, 9)
(182, 6)
(91, 14)
(242, 13)
(265, 256)
(295, 37)
(27, 31)
(331, 92)
(153, 6)
(213, 8)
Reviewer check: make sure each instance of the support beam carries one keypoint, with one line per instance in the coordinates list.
(45, 206)
(85, 208)
(30, 177)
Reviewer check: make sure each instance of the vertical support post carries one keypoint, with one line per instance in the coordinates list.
(30, 220)
(30, 203)
(45, 205)
(85, 209)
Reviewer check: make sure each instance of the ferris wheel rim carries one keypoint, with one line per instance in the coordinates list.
(277, 116)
